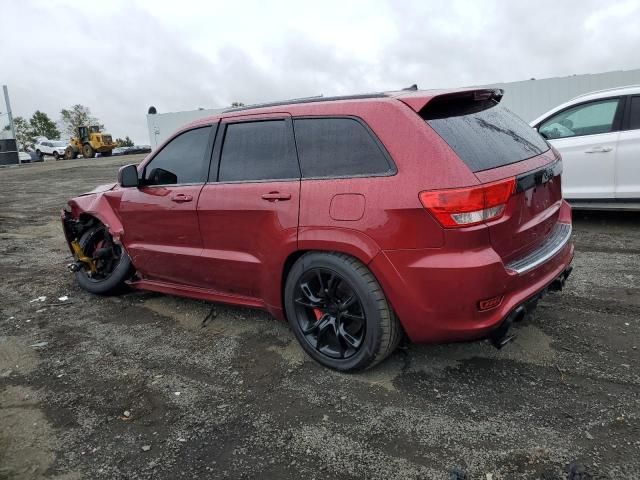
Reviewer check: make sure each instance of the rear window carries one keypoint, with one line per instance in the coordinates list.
(261, 150)
(483, 134)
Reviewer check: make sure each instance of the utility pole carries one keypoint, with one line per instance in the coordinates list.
(6, 100)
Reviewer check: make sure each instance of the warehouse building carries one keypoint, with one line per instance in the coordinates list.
(528, 99)
(531, 98)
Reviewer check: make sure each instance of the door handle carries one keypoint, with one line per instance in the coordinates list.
(181, 198)
(599, 150)
(276, 196)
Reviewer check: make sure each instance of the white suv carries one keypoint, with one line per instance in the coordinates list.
(598, 135)
(54, 148)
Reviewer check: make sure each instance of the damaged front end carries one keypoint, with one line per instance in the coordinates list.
(87, 211)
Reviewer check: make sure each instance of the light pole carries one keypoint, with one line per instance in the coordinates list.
(8, 103)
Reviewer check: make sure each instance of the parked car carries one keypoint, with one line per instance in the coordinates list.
(435, 215)
(24, 157)
(54, 148)
(598, 135)
(119, 151)
(137, 149)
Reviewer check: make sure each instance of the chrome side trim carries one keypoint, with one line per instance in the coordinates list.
(551, 245)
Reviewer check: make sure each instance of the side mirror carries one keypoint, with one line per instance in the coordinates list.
(160, 176)
(128, 176)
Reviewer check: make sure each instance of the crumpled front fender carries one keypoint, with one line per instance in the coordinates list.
(102, 206)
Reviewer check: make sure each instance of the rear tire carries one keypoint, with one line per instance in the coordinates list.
(106, 154)
(350, 339)
(112, 280)
(88, 151)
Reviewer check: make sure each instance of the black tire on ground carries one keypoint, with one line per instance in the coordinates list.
(40, 156)
(113, 283)
(382, 331)
(88, 151)
(106, 153)
(70, 153)
(56, 155)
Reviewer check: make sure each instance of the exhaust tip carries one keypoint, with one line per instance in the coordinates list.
(501, 336)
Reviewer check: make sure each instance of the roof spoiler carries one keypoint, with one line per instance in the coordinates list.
(418, 101)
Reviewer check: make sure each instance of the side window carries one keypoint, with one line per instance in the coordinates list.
(634, 118)
(331, 147)
(182, 160)
(261, 150)
(588, 119)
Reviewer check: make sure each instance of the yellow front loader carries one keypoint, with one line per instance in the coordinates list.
(89, 142)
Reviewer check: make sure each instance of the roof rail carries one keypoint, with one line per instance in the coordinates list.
(604, 90)
(296, 101)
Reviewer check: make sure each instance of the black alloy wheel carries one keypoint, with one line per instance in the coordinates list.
(329, 313)
(338, 311)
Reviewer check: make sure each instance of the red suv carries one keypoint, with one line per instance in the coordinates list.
(432, 214)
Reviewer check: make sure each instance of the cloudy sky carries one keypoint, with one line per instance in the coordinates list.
(119, 57)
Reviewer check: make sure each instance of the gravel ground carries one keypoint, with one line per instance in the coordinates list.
(134, 386)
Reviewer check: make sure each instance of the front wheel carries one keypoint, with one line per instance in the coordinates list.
(339, 313)
(40, 156)
(112, 265)
(88, 151)
(56, 155)
(70, 153)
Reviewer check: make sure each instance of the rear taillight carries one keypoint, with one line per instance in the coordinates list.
(462, 207)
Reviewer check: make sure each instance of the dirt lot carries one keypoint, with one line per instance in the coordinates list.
(238, 399)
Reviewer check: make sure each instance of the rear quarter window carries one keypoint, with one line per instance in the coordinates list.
(338, 147)
(484, 135)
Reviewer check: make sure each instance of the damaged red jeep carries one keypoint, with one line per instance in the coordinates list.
(435, 215)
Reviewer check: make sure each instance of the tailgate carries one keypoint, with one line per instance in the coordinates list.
(533, 209)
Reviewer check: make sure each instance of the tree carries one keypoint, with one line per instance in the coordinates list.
(77, 116)
(43, 126)
(24, 134)
(237, 104)
(126, 142)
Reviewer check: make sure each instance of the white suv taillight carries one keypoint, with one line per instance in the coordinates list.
(462, 207)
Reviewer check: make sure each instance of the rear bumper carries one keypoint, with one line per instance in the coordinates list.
(555, 242)
(435, 292)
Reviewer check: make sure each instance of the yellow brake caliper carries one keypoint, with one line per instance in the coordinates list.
(77, 249)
